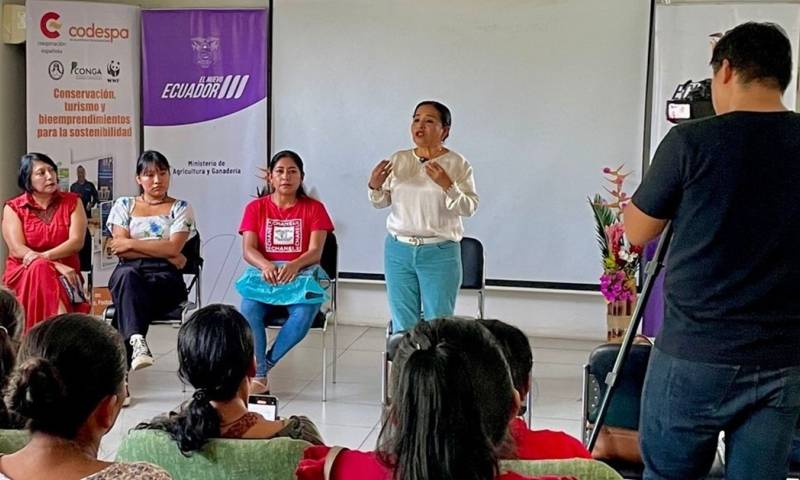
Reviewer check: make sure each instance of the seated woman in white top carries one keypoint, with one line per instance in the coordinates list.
(149, 232)
(429, 189)
(69, 388)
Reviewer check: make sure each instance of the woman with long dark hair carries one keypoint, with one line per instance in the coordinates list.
(69, 387)
(44, 231)
(429, 188)
(149, 232)
(283, 233)
(12, 319)
(449, 415)
(215, 353)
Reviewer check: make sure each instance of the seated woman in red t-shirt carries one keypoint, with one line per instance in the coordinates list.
(449, 415)
(283, 235)
(530, 444)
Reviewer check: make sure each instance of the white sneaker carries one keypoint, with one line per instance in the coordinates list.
(141, 357)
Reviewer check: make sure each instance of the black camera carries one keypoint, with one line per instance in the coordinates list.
(691, 100)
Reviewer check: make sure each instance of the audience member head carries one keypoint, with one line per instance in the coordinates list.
(517, 351)
(215, 354)
(70, 381)
(12, 317)
(452, 403)
(38, 173)
(152, 173)
(285, 174)
(751, 53)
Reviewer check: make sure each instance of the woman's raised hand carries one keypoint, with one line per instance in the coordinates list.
(438, 175)
(379, 174)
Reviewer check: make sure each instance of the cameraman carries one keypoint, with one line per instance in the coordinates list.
(728, 356)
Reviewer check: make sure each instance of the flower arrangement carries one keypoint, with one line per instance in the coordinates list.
(620, 258)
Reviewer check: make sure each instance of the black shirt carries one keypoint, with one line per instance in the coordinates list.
(88, 194)
(731, 185)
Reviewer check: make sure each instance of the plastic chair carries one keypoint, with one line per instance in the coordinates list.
(624, 409)
(277, 316)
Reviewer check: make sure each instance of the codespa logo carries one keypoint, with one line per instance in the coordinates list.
(98, 33)
(49, 25)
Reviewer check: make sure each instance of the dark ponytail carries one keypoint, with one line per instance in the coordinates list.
(215, 351)
(452, 404)
(68, 364)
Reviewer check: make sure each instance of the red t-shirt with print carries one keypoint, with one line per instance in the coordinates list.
(284, 234)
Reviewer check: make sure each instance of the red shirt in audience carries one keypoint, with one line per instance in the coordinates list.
(356, 464)
(545, 444)
(284, 235)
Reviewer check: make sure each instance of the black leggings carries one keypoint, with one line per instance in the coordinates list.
(142, 290)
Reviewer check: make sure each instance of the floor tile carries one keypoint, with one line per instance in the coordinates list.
(334, 413)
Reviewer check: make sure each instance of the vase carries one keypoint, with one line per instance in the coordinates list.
(618, 318)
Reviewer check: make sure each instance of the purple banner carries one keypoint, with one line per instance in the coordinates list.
(198, 65)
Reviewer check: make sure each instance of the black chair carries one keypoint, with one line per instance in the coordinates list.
(473, 268)
(277, 316)
(624, 408)
(473, 277)
(193, 269)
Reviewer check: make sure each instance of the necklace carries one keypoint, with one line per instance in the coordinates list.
(154, 202)
(423, 159)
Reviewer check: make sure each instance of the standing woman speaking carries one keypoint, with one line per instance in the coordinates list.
(429, 188)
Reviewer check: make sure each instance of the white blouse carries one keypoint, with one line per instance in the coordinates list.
(154, 227)
(419, 206)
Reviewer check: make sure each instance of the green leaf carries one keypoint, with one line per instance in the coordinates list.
(603, 217)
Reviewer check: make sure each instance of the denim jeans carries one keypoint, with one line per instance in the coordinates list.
(423, 278)
(685, 404)
(301, 316)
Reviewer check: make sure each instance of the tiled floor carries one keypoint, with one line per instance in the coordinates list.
(351, 415)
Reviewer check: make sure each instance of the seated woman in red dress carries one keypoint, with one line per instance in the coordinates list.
(44, 229)
(449, 416)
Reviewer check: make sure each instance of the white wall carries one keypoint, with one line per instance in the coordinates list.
(12, 120)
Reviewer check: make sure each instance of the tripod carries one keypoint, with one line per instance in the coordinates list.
(651, 271)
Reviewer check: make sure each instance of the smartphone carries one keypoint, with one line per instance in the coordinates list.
(266, 405)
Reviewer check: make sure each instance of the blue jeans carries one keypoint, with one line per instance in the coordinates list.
(301, 316)
(423, 278)
(685, 404)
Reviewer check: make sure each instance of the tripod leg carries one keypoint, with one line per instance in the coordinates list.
(653, 268)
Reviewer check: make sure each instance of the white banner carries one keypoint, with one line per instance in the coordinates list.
(83, 100)
(683, 48)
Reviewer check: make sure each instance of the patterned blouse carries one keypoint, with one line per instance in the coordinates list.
(155, 227)
(126, 471)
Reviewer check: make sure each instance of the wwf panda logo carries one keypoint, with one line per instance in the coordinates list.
(113, 68)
